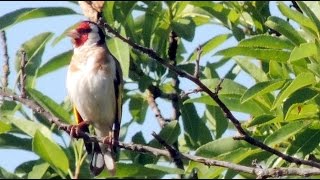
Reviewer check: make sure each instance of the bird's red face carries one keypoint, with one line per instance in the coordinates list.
(80, 35)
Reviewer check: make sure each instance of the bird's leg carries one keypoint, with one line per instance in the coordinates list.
(109, 139)
(74, 130)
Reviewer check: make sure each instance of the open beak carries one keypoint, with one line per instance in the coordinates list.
(73, 34)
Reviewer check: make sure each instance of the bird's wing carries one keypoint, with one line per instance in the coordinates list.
(118, 85)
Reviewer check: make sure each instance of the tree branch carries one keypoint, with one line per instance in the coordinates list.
(5, 67)
(23, 74)
(172, 53)
(151, 95)
(197, 66)
(269, 172)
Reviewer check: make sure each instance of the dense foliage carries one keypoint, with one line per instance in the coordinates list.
(281, 55)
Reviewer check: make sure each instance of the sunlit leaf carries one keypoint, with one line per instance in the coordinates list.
(286, 131)
(252, 69)
(34, 49)
(50, 152)
(55, 63)
(265, 41)
(262, 88)
(50, 105)
(209, 45)
(304, 50)
(121, 52)
(38, 171)
(260, 53)
(138, 108)
(32, 13)
(193, 125)
(302, 80)
(297, 16)
(285, 29)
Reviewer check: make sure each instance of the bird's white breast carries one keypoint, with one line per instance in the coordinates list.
(92, 92)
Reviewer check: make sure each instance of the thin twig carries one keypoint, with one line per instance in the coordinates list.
(295, 5)
(152, 54)
(154, 106)
(197, 63)
(36, 108)
(218, 87)
(5, 67)
(174, 153)
(185, 94)
(23, 74)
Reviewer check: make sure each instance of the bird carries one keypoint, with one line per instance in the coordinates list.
(94, 84)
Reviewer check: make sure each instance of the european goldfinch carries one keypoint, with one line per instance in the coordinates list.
(94, 84)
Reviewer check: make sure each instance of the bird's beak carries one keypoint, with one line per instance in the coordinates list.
(73, 34)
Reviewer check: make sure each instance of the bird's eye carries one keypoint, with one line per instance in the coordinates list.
(83, 31)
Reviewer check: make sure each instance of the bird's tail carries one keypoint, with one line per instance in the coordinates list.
(102, 157)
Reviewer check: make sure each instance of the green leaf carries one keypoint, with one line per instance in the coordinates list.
(302, 96)
(168, 170)
(64, 34)
(199, 15)
(285, 29)
(305, 142)
(50, 152)
(9, 141)
(184, 27)
(34, 49)
(108, 11)
(216, 117)
(38, 171)
(121, 52)
(230, 94)
(219, 11)
(24, 14)
(301, 111)
(138, 108)
(302, 80)
(170, 132)
(193, 125)
(220, 146)
(262, 88)
(228, 86)
(297, 16)
(209, 45)
(55, 63)
(288, 130)
(50, 105)
(122, 10)
(304, 50)
(264, 118)
(315, 68)
(252, 107)
(310, 14)
(266, 41)
(136, 170)
(262, 54)
(252, 69)
(4, 174)
(151, 20)
(278, 70)
(4, 127)
(25, 167)
(8, 107)
(29, 127)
